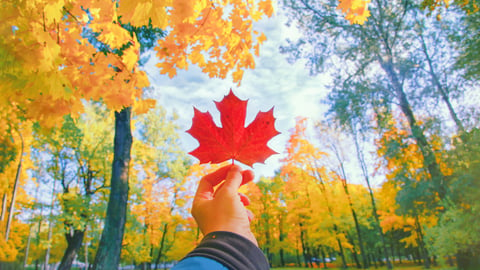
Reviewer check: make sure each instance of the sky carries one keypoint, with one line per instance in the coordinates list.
(273, 83)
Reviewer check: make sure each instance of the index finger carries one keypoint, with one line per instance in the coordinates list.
(209, 181)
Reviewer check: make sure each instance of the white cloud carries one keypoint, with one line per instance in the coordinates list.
(274, 82)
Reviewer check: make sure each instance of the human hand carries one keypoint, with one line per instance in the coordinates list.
(223, 209)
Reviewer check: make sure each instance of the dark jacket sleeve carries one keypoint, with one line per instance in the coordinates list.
(232, 250)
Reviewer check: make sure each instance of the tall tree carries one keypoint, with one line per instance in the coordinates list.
(78, 153)
(88, 50)
(332, 139)
(302, 163)
(416, 199)
(374, 63)
(460, 216)
(160, 172)
(468, 41)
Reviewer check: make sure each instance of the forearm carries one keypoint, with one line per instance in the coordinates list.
(231, 250)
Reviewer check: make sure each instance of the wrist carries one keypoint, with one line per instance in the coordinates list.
(244, 232)
(232, 250)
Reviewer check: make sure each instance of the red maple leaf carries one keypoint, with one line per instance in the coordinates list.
(233, 140)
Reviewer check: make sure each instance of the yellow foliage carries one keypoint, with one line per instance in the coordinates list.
(356, 11)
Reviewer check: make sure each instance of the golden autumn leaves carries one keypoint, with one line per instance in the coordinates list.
(50, 66)
(356, 11)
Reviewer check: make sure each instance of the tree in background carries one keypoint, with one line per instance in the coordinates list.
(90, 50)
(401, 63)
(305, 174)
(76, 156)
(160, 173)
(460, 216)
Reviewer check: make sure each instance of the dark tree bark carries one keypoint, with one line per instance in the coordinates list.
(352, 209)
(108, 253)
(363, 166)
(429, 161)
(74, 241)
(162, 245)
(354, 251)
(421, 244)
(324, 259)
(304, 246)
(280, 239)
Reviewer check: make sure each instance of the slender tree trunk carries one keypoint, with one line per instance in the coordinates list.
(11, 208)
(352, 209)
(109, 248)
(385, 59)
(363, 166)
(443, 92)
(324, 259)
(50, 229)
(162, 244)
(267, 235)
(86, 251)
(74, 240)
(304, 245)
(392, 245)
(330, 211)
(4, 206)
(280, 239)
(342, 254)
(297, 255)
(27, 248)
(354, 252)
(421, 244)
(359, 233)
(37, 239)
(429, 161)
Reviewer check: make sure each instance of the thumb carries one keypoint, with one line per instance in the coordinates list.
(232, 181)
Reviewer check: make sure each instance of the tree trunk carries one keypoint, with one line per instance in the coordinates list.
(162, 244)
(352, 209)
(297, 255)
(27, 248)
(11, 208)
(324, 259)
(443, 92)
(342, 254)
(363, 166)
(330, 211)
(359, 233)
(354, 253)
(74, 241)
(109, 248)
(37, 239)
(4, 206)
(50, 230)
(304, 245)
(429, 161)
(280, 240)
(86, 252)
(421, 244)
